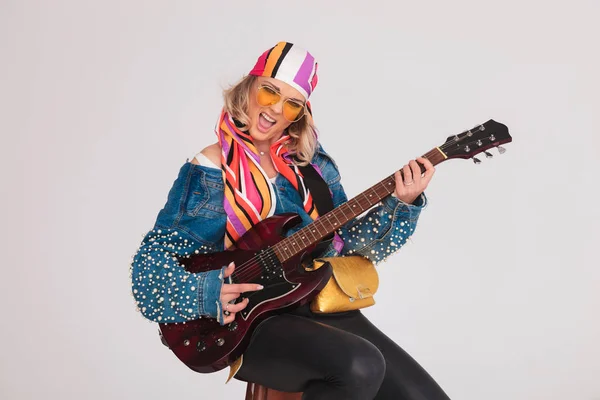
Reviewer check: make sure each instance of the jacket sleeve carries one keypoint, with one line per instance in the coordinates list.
(383, 229)
(163, 290)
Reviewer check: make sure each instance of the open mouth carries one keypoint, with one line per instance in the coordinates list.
(265, 122)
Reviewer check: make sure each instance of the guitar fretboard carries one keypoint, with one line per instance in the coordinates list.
(336, 218)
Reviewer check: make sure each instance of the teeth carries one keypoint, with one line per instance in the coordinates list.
(265, 116)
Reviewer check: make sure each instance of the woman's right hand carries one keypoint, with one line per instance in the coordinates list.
(230, 292)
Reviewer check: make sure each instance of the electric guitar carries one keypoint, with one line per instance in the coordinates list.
(263, 255)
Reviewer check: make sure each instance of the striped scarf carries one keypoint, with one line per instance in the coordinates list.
(249, 194)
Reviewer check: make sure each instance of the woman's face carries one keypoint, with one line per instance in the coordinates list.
(267, 122)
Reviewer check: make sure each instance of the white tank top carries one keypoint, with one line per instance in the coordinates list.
(203, 160)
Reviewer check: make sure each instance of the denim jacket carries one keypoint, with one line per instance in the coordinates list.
(193, 221)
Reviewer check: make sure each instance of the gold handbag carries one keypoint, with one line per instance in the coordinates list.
(352, 285)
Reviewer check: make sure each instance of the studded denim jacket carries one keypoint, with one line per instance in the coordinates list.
(193, 221)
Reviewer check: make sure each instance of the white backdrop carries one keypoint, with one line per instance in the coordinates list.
(101, 102)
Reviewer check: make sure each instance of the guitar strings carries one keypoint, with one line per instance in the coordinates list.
(248, 268)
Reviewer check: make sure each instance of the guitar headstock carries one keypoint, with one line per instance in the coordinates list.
(477, 140)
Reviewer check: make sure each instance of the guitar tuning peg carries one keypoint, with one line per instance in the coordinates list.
(488, 155)
(501, 149)
(476, 160)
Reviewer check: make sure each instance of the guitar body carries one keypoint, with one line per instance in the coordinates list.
(206, 346)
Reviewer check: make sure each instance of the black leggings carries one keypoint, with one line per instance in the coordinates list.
(334, 356)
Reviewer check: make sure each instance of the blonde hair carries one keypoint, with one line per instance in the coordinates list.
(303, 141)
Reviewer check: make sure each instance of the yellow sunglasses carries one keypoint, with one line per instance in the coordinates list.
(292, 110)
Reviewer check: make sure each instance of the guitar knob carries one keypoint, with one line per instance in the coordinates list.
(233, 326)
(501, 150)
(488, 155)
(201, 346)
(476, 160)
(220, 342)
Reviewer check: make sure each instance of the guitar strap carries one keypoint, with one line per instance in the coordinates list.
(320, 190)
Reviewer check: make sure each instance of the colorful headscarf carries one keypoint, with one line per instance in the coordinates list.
(290, 64)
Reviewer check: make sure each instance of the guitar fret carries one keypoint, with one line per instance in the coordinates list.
(303, 238)
(324, 225)
(383, 188)
(317, 222)
(370, 195)
(286, 247)
(292, 244)
(359, 205)
(327, 224)
(314, 239)
(277, 251)
(324, 222)
(345, 205)
(336, 218)
(363, 206)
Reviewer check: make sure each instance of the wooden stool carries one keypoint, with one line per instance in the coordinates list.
(259, 392)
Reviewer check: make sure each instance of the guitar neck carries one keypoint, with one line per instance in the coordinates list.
(333, 220)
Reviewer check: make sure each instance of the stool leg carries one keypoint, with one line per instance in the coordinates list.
(255, 392)
(260, 392)
(249, 391)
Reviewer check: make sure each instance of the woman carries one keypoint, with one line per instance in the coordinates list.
(264, 132)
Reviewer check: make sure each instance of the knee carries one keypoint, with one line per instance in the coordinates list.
(364, 369)
(368, 364)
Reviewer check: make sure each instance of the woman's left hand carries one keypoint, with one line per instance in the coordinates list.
(414, 183)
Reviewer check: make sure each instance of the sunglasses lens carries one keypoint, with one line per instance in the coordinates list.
(292, 111)
(267, 96)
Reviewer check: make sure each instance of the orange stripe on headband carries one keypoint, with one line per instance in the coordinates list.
(273, 58)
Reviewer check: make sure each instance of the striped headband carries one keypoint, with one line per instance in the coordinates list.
(290, 64)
